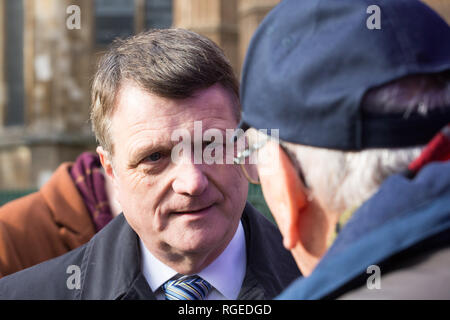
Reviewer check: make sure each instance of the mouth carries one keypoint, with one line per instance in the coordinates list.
(193, 211)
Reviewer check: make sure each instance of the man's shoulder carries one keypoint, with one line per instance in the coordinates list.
(422, 276)
(64, 277)
(48, 280)
(267, 259)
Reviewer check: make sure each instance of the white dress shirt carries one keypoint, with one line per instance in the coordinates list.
(225, 274)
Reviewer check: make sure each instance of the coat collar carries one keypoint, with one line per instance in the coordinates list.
(111, 265)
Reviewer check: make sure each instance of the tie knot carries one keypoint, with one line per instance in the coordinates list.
(186, 288)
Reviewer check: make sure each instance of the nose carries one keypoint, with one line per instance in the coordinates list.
(190, 180)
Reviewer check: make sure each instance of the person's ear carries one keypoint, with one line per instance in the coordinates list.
(106, 162)
(284, 192)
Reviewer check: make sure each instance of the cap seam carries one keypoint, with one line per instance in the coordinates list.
(401, 43)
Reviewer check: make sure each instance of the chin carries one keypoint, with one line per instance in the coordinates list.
(198, 242)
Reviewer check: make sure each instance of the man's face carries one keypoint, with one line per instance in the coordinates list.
(175, 208)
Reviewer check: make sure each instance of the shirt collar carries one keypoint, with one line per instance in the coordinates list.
(226, 273)
(156, 272)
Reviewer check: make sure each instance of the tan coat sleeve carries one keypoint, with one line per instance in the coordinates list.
(43, 225)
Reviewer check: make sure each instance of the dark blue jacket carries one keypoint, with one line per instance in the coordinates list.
(404, 219)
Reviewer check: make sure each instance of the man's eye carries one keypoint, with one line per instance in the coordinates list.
(154, 156)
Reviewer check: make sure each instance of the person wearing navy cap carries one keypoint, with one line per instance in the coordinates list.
(359, 94)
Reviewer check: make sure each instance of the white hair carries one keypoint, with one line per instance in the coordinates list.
(343, 180)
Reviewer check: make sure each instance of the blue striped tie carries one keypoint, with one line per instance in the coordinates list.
(186, 288)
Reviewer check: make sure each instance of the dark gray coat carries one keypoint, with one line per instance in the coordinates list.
(109, 266)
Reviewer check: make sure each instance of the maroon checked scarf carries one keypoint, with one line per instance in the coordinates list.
(89, 179)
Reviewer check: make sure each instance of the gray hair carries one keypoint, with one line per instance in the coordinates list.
(342, 180)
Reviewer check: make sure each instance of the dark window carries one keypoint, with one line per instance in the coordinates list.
(113, 19)
(14, 114)
(158, 14)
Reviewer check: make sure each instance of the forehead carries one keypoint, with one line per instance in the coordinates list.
(140, 113)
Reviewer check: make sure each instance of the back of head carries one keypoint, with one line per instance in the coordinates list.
(343, 180)
(354, 104)
(310, 64)
(170, 63)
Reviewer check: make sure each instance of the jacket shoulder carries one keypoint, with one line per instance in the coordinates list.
(58, 278)
(428, 271)
(268, 260)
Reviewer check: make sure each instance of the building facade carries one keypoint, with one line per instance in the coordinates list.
(48, 53)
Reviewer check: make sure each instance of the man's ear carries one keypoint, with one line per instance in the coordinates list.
(284, 192)
(106, 162)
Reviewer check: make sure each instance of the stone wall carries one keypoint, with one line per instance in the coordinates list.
(230, 23)
(215, 19)
(57, 66)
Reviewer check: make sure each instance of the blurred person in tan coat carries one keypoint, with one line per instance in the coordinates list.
(64, 214)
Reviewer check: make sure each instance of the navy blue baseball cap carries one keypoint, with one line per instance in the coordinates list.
(310, 63)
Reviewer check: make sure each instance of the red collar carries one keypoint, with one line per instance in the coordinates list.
(438, 149)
